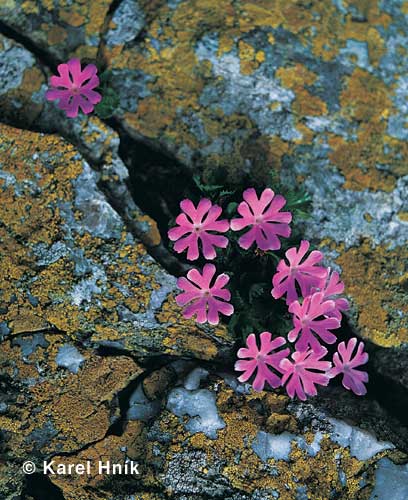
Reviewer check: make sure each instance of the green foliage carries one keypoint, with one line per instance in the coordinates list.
(110, 99)
(213, 191)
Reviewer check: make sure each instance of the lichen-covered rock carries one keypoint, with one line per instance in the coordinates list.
(315, 91)
(62, 28)
(214, 438)
(210, 437)
(70, 391)
(20, 78)
(22, 98)
(278, 75)
(113, 449)
(145, 403)
(11, 481)
(69, 264)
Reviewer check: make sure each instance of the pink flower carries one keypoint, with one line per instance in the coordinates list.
(332, 288)
(305, 372)
(195, 223)
(309, 319)
(74, 88)
(260, 360)
(306, 274)
(353, 379)
(201, 296)
(264, 218)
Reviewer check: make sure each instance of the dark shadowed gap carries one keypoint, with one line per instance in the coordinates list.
(113, 6)
(42, 55)
(151, 365)
(157, 181)
(118, 427)
(39, 487)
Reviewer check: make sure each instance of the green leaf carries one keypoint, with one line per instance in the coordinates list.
(105, 77)
(108, 105)
(231, 208)
(225, 192)
(208, 188)
(256, 290)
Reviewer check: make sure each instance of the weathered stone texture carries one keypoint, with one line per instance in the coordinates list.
(20, 79)
(215, 439)
(69, 264)
(313, 90)
(63, 28)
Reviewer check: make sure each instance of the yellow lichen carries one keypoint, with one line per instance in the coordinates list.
(29, 221)
(56, 35)
(374, 278)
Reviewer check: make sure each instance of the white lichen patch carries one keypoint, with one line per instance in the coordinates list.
(363, 445)
(341, 214)
(268, 446)
(193, 379)
(140, 407)
(253, 94)
(98, 217)
(199, 404)
(128, 20)
(391, 481)
(14, 60)
(69, 357)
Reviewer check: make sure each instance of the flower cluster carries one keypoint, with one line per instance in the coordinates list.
(197, 229)
(312, 294)
(311, 291)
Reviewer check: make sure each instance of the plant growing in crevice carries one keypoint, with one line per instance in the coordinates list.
(265, 250)
(250, 270)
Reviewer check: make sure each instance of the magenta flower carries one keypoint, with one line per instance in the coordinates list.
(331, 289)
(261, 360)
(74, 88)
(196, 224)
(353, 379)
(305, 372)
(306, 274)
(309, 319)
(203, 299)
(265, 219)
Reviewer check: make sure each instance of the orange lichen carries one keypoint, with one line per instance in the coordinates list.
(38, 220)
(77, 405)
(244, 416)
(319, 26)
(296, 77)
(374, 278)
(366, 99)
(56, 35)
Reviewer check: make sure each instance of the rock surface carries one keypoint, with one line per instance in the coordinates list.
(314, 91)
(20, 78)
(217, 439)
(71, 266)
(64, 29)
